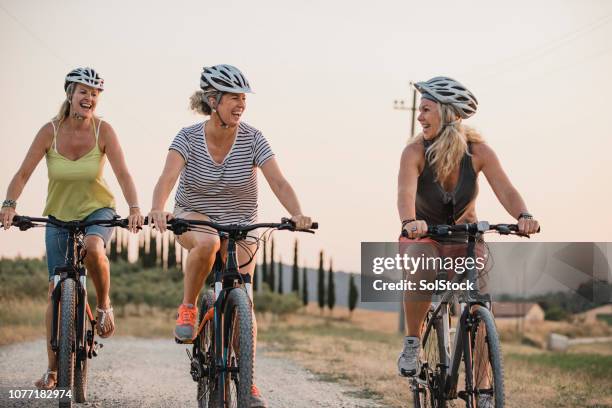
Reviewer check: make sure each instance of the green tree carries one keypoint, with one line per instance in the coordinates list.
(280, 276)
(305, 286)
(171, 252)
(153, 251)
(255, 277)
(295, 276)
(141, 250)
(353, 295)
(272, 277)
(321, 283)
(124, 245)
(113, 246)
(331, 288)
(264, 264)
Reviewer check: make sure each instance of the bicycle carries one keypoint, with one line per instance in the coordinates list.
(73, 323)
(221, 361)
(475, 337)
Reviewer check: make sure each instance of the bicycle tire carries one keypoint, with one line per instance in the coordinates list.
(485, 343)
(238, 340)
(207, 395)
(432, 348)
(80, 372)
(65, 353)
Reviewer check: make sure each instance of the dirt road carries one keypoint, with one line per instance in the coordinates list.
(134, 372)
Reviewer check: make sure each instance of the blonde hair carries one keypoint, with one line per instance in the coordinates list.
(448, 148)
(64, 110)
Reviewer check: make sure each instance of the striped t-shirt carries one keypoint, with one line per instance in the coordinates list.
(226, 192)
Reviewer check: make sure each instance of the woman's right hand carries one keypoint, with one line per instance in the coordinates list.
(416, 229)
(158, 219)
(6, 216)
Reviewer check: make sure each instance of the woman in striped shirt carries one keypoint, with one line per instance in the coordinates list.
(216, 161)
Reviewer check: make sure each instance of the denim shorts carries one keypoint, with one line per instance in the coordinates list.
(56, 239)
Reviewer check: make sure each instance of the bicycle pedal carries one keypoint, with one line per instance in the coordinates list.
(179, 341)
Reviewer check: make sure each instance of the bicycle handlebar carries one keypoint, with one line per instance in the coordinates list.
(181, 225)
(474, 228)
(24, 223)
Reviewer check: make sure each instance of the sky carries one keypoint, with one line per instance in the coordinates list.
(325, 76)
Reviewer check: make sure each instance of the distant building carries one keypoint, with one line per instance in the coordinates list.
(513, 312)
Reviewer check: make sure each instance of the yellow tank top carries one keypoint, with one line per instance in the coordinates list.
(76, 187)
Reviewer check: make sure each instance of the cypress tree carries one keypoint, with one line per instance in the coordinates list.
(171, 251)
(331, 288)
(353, 295)
(305, 286)
(255, 282)
(153, 250)
(272, 277)
(113, 246)
(321, 283)
(295, 277)
(280, 276)
(264, 265)
(125, 240)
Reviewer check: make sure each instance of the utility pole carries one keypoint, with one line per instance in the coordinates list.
(401, 105)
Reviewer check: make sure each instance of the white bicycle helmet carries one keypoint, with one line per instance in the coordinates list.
(448, 91)
(86, 76)
(224, 78)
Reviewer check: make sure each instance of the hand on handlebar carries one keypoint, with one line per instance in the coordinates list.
(159, 219)
(6, 216)
(135, 220)
(527, 226)
(301, 222)
(415, 229)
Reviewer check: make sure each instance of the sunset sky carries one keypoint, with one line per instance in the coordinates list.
(325, 76)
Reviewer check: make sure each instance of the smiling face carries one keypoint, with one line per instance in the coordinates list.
(231, 107)
(429, 118)
(84, 100)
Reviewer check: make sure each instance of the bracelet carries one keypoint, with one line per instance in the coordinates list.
(407, 221)
(9, 204)
(525, 215)
(134, 206)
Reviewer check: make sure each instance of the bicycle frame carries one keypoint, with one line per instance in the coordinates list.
(451, 359)
(75, 270)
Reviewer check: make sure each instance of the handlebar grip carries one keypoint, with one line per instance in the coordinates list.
(314, 225)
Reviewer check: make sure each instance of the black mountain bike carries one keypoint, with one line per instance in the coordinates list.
(73, 323)
(222, 353)
(476, 341)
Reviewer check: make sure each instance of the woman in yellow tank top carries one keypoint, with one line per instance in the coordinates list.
(76, 144)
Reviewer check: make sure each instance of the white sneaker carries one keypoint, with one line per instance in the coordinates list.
(407, 362)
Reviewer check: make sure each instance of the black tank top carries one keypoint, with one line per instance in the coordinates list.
(434, 205)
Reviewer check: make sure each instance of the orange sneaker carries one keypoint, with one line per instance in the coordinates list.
(185, 322)
(257, 401)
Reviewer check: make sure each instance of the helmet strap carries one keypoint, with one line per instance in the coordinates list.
(214, 109)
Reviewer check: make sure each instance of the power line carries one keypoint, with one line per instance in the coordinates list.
(542, 50)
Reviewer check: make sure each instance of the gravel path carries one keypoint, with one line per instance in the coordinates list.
(134, 372)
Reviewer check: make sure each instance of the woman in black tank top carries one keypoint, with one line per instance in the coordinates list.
(437, 182)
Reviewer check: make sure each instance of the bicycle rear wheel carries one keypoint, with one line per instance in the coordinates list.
(65, 354)
(238, 341)
(485, 364)
(207, 395)
(432, 352)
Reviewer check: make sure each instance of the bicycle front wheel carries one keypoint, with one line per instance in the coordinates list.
(238, 341)
(485, 364)
(80, 367)
(65, 354)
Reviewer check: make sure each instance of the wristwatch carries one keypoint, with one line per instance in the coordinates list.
(525, 215)
(9, 204)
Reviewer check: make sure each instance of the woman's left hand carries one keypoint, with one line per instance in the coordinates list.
(135, 220)
(302, 222)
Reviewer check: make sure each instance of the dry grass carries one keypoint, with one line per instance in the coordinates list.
(363, 353)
